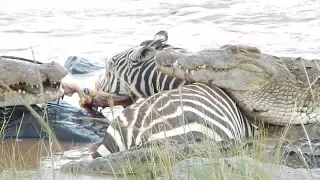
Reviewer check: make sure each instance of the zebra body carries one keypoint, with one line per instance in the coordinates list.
(191, 112)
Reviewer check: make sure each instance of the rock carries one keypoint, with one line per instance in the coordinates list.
(67, 122)
(297, 154)
(81, 65)
(149, 161)
(300, 150)
(295, 132)
(133, 161)
(146, 161)
(239, 167)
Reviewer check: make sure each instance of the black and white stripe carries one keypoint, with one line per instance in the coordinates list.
(134, 69)
(191, 112)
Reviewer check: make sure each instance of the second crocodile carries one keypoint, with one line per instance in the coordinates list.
(270, 89)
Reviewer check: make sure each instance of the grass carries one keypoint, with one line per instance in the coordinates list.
(160, 162)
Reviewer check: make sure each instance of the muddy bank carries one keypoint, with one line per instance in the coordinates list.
(67, 122)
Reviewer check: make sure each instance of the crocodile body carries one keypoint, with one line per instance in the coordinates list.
(27, 81)
(269, 89)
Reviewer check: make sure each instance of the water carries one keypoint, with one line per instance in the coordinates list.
(32, 153)
(34, 159)
(57, 29)
(98, 29)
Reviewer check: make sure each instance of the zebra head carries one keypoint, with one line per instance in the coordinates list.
(133, 71)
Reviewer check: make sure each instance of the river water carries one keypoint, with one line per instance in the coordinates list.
(97, 29)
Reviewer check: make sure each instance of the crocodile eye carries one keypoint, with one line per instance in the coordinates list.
(234, 49)
(52, 63)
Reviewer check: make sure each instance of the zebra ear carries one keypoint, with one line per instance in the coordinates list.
(143, 53)
(162, 36)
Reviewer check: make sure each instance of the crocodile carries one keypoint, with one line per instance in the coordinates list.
(24, 81)
(268, 89)
(20, 87)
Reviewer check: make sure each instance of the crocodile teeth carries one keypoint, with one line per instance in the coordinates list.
(54, 82)
(19, 91)
(202, 66)
(48, 93)
(179, 66)
(23, 92)
(192, 72)
(37, 86)
(187, 70)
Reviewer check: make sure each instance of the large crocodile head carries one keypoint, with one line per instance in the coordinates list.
(26, 81)
(272, 89)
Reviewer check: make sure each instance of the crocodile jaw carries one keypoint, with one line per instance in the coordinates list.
(23, 94)
(21, 81)
(234, 79)
(16, 99)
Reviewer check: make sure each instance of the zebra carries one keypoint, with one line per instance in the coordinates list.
(193, 112)
(209, 110)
